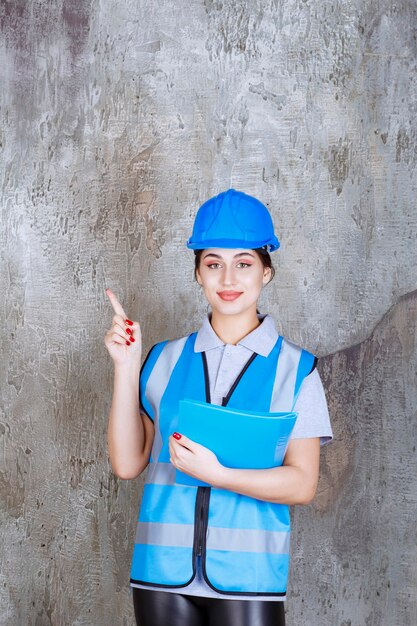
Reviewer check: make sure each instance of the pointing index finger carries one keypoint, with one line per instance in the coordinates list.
(117, 307)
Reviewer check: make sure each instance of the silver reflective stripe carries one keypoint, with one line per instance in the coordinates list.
(284, 384)
(160, 474)
(228, 539)
(177, 535)
(158, 382)
(244, 540)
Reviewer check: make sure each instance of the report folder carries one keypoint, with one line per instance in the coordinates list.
(239, 439)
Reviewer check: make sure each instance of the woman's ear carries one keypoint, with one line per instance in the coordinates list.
(267, 275)
(197, 277)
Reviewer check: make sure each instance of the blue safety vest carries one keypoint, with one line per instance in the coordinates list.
(243, 542)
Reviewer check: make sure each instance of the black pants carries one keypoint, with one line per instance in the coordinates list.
(160, 608)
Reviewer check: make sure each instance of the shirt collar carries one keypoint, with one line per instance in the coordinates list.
(261, 340)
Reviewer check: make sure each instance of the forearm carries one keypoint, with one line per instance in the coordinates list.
(126, 432)
(284, 485)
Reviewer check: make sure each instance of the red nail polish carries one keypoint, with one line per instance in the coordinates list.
(129, 322)
(129, 331)
(128, 343)
(132, 339)
(176, 436)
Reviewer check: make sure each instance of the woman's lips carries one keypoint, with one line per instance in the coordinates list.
(229, 295)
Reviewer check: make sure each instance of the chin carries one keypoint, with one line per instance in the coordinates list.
(231, 308)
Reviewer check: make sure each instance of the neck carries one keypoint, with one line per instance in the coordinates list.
(232, 328)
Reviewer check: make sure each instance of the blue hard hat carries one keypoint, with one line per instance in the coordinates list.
(233, 219)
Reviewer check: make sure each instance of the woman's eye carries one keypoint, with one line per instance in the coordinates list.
(216, 265)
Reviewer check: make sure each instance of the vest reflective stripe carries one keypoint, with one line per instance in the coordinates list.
(157, 383)
(247, 540)
(283, 392)
(182, 536)
(160, 474)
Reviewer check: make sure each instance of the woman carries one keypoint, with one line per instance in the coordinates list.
(217, 554)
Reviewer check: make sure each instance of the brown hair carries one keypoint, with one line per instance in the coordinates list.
(262, 253)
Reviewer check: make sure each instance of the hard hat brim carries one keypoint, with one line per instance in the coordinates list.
(273, 244)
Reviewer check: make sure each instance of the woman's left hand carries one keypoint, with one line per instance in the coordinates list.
(194, 459)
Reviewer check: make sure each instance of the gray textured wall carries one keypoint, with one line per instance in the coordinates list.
(117, 121)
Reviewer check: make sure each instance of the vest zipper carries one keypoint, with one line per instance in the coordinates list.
(203, 496)
(203, 493)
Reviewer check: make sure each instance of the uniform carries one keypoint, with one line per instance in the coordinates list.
(271, 380)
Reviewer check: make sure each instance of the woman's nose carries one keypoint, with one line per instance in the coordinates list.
(229, 276)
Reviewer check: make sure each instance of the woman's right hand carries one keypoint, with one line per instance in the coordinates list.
(124, 339)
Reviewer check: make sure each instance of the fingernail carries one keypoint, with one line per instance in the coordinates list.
(176, 436)
(129, 331)
(132, 339)
(128, 343)
(129, 322)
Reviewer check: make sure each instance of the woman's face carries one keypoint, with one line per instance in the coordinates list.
(232, 279)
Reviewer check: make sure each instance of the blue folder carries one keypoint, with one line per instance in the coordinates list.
(239, 439)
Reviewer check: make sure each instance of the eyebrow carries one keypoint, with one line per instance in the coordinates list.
(239, 254)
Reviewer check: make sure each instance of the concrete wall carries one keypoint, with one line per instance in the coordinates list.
(117, 120)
